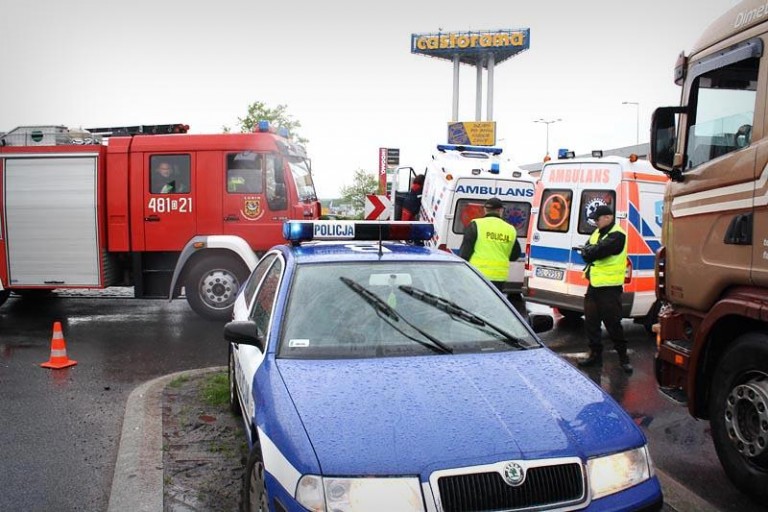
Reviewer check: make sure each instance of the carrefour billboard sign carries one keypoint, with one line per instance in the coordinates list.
(471, 46)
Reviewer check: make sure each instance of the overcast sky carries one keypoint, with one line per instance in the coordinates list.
(345, 71)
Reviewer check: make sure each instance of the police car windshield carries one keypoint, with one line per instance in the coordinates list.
(326, 317)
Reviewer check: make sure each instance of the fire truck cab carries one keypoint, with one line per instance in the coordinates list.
(155, 208)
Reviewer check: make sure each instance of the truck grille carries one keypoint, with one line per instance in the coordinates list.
(544, 486)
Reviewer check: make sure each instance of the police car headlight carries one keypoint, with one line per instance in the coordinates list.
(359, 494)
(619, 471)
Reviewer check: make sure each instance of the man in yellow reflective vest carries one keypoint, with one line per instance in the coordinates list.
(490, 243)
(606, 258)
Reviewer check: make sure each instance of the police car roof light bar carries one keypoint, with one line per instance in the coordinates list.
(304, 231)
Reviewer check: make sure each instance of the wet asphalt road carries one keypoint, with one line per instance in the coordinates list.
(59, 430)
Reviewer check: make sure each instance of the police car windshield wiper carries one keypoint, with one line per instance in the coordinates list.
(456, 311)
(382, 308)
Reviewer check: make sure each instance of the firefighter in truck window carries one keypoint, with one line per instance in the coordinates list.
(170, 175)
(244, 175)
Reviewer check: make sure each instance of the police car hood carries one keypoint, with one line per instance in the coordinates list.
(414, 415)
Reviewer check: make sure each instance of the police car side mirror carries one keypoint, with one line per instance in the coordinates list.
(541, 323)
(243, 332)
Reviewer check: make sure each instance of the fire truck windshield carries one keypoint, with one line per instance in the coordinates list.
(302, 177)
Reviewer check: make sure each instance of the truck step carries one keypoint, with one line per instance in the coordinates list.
(683, 346)
(677, 395)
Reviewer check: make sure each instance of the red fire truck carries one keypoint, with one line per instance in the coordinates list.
(151, 207)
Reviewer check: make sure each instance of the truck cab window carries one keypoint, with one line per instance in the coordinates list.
(169, 174)
(245, 173)
(723, 111)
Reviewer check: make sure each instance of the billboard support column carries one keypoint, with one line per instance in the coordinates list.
(456, 62)
(489, 95)
(479, 92)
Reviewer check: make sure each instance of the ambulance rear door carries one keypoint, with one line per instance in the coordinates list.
(471, 193)
(570, 193)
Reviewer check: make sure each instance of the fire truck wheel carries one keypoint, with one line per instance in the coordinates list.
(234, 401)
(255, 497)
(738, 413)
(212, 284)
(4, 294)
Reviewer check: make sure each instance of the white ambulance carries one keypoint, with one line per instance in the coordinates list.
(567, 192)
(458, 181)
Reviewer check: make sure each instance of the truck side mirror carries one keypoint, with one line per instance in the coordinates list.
(664, 139)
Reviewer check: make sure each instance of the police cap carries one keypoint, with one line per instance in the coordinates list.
(603, 209)
(493, 203)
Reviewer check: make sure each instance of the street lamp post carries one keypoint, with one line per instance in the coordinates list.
(547, 122)
(637, 117)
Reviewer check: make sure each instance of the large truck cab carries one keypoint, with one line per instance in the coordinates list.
(713, 266)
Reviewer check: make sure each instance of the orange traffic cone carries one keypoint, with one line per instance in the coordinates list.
(59, 357)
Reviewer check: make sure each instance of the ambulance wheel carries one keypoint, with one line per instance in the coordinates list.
(738, 414)
(234, 400)
(569, 314)
(4, 294)
(255, 497)
(212, 284)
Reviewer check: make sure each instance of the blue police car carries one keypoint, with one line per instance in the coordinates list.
(379, 375)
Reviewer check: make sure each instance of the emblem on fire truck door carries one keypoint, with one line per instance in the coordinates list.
(252, 208)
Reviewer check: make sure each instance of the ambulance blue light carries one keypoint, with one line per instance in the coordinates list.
(495, 168)
(283, 132)
(303, 231)
(263, 126)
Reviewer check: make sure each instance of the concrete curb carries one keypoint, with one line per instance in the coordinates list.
(137, 483)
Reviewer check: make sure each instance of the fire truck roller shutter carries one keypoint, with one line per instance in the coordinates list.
(212, 269)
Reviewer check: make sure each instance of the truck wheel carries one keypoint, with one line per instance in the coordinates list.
(738, 414)
(212, 284)
(4, 294)
(255, 497)
(234, 400)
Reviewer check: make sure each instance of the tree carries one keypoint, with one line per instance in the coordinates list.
(363, 183)
(278, 116)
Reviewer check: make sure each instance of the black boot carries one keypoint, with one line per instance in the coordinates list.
(594, 359)
(624, 363)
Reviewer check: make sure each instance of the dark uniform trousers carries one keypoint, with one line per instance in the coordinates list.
(603, 305)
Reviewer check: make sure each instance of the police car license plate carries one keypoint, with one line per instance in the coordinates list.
(550, 273)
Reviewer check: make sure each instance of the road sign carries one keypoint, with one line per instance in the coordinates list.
(393, 156)
(377, 207)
